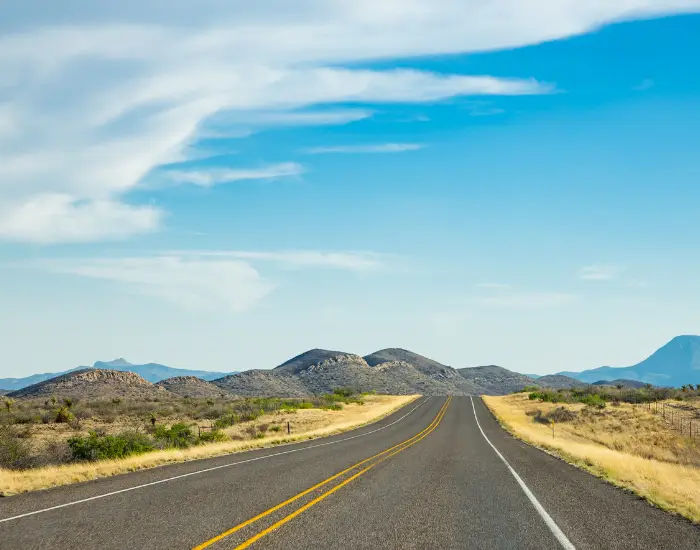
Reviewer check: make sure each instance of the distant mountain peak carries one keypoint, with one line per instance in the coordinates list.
(118, 362)
(675, 363)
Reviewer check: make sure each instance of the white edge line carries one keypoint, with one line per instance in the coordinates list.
(104, 495)
(553, 527)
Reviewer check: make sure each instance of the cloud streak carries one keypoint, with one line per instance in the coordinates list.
(214, 176)
(599, 272)
(367, 148)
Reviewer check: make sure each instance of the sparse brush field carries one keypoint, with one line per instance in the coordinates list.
(49, 442)
(626, 443)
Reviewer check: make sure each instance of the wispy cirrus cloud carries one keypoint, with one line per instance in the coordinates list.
(365, 148)
(138, 83)
(345, 260)
(207, 177)
(185, 282)
(599, 272)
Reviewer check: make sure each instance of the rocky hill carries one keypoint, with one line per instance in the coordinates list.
(255, 383)
(320, 371)
(153, 372)
(495, 380)
(95, 384)
(191, 386)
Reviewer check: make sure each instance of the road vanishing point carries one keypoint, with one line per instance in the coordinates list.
(438, 473)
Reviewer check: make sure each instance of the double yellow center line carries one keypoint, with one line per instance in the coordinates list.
(382, 456)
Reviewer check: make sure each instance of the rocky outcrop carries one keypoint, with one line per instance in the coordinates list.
(95, 384)
(191, 386)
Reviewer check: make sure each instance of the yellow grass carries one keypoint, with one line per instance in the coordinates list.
(306, 424)
(627, 446)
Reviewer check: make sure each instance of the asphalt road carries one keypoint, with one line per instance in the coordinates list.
(425, 477)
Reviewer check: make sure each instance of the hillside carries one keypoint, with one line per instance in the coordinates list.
(495, 380)
(557, 381)
(674, 364)
(95, 384)
(153, 372)
(320, 371)
(191, 386)
(255, 383)
(620, 382)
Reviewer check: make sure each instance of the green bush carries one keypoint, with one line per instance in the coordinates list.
(212, 436)
(14, 450)
(227, 420)
(306, 405)
(63, 415)
(100, 446)
(593, 400)
(178, 435)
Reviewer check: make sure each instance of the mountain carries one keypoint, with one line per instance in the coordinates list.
(620, 382)
(4, 392)
(674, 364)
(321, 371)
(557, 381)
(304, 360)
(95, 384)
(495, 380)
(191, 386)
(257, 383)
(153, 372)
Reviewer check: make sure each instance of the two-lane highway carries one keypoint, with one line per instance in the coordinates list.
(440, 473)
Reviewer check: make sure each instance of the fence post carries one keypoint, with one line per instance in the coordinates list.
(288, 428)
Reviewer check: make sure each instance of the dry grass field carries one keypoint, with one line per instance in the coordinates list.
(625, 444)
(265, 430)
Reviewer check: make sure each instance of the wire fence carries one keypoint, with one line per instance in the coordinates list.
(682, 418)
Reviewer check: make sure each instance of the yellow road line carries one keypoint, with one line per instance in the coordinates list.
(321, 497)
(310, 489)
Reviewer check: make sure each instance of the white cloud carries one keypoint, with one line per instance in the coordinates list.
(90, 106)
(351, 261)
(599, 272)
(49, 218)
(193, 284)
(243, 124)
(213, 176)
(367, 148)
(528, 300)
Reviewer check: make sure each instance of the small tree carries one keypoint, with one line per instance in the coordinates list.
(8, 404)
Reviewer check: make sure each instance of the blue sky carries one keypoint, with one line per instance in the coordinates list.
(522, 193)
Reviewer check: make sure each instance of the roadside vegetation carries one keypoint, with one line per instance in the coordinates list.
(56, 441)
(618, 434)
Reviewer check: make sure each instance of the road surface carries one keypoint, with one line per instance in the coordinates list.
(439, 473)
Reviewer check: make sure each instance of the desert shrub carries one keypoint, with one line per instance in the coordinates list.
(14, 449)
(593, 400)
(529, 389)
(178, 435)
(344, 392)
(275, 428)
(305, 405)
(547, 396)
(262, 428)
(333, 407)
(561, 414)
(212, 436)
(98, 446)
(251, 431)
(63, 415)
(227, 420)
